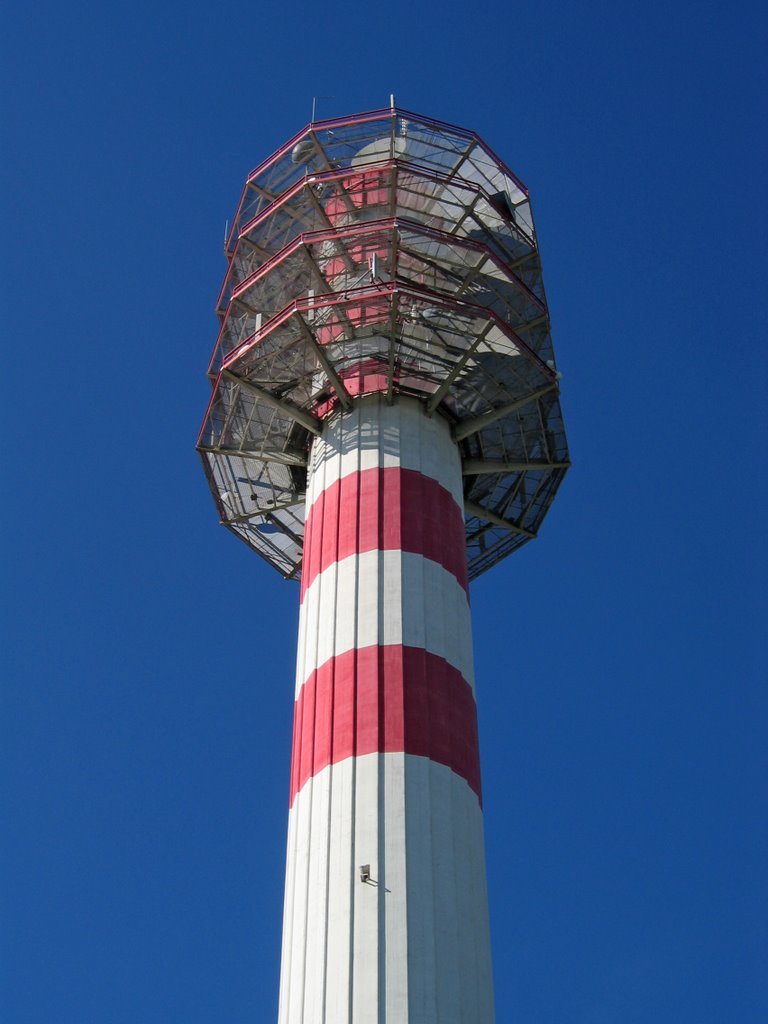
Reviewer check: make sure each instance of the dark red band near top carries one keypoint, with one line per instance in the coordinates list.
(375, 510)
(389, 699)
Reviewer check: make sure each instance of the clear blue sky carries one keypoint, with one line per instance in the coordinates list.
(149, 656)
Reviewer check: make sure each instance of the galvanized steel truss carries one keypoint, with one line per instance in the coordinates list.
(383, 253)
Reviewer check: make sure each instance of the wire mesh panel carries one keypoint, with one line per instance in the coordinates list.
(383, 253)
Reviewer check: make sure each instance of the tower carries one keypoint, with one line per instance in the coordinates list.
(384, 427)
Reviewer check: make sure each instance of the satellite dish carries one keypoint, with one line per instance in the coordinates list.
(264, 527)
(302, 152)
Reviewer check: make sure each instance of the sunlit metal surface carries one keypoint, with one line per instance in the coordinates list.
(383, 253)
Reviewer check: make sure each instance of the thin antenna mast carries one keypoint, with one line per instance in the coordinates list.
(314, 105)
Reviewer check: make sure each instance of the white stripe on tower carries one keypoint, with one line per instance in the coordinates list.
(385, 767)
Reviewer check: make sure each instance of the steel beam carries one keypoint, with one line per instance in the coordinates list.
(281, 458)
(479, 512)
(297, 499)
(442, 391)
(392, 339)
(306, 419)
(471, 426)
(338, 384)
(475, 467)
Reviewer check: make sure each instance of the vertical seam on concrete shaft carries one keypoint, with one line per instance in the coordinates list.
(310, 812)
(381, 888)
(380, 797)
(353, 802)
(332, 698)
(293, 834)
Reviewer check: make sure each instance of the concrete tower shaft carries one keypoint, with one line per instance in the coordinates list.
(385, 768)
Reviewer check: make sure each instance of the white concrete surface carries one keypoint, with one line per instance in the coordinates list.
(411, 945)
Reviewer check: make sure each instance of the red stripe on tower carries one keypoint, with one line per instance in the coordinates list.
(375, 509)
(385, 700)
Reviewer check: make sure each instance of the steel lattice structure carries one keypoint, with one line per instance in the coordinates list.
(383, 253)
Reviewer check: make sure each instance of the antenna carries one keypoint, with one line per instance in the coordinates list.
(314, 105)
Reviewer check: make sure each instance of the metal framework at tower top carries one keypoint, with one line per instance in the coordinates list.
(385, 253)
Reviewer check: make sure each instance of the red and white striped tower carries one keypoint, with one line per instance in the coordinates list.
(385, 766)
(384, 426)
